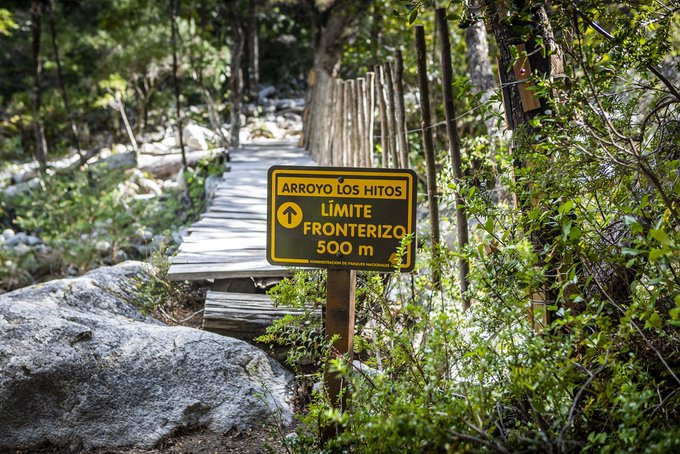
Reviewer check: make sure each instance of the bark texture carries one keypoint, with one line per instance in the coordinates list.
(38, 130)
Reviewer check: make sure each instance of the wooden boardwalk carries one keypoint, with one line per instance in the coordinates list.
(228, 243)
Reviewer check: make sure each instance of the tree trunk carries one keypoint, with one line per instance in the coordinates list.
(537, 55)
(479, 66)
(484, 84)
(428, 146)
(251, 68)
(60, 81)
(454, 150)
(235, 83)
(331, 34)
(376, 27)
(175, 79)
(38, 131)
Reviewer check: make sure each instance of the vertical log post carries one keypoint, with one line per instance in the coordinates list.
(370, 109)
(400, 110)
(454, 149)
(339, 145)
(428, 147)
(354, 123)
(361, 122)
(391, 118)
(382, 108)
(341, 289)
(347, 130)
(307, 112)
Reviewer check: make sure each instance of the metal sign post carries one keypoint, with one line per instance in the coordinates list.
(342, 219)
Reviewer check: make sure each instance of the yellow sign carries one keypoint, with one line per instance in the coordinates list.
(344, 218)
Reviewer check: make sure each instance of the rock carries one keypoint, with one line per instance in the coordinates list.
(266, 92)
(146, 234)
(210, 186)
(21, 249)
(180, 180)
(297, 118)
(157, 242)
(20, 188)
(8, 233)
(119, 148)
(150, 186)
(296, 105)
(102, 246)
(84, 369)
(165, 166)
(169, 141)
(250, 109)
(155, 148)
(17, 239)
(33, 240)
(119, 161)
(196, 137)
(179, 235)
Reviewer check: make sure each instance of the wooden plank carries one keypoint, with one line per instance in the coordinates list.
(243, 315)
(230, 238)
(192, 271)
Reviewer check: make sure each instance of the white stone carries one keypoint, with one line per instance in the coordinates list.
(196, 137)
(102, 246)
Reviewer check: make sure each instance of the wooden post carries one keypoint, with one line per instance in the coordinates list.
(370, 109)
(454, 148)
(428, 147)
(341, 289)
(354, 124)
(400, 110)
(338, 119)
(361, 122)
(346, 124)
(382, 108)
(391, 118)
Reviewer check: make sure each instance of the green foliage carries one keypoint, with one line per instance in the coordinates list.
(88, 219)
(7, 23)
(157, 290)
(597, 223)
(303, 334)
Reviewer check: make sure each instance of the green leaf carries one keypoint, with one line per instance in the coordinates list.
(660, 236)
(656, 254)
(566, 207)
(413, 16)
(674, 313)
(489, 225)
(632, 251)
(655, 321)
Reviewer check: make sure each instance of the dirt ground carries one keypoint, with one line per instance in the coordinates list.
(257, 441)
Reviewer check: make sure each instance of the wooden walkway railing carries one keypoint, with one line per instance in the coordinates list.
(340, 119)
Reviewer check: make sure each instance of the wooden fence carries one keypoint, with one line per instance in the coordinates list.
(340, 120)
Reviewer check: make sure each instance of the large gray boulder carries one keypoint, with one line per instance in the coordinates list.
(81, 367)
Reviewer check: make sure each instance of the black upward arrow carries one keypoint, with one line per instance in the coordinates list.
(290, 211)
